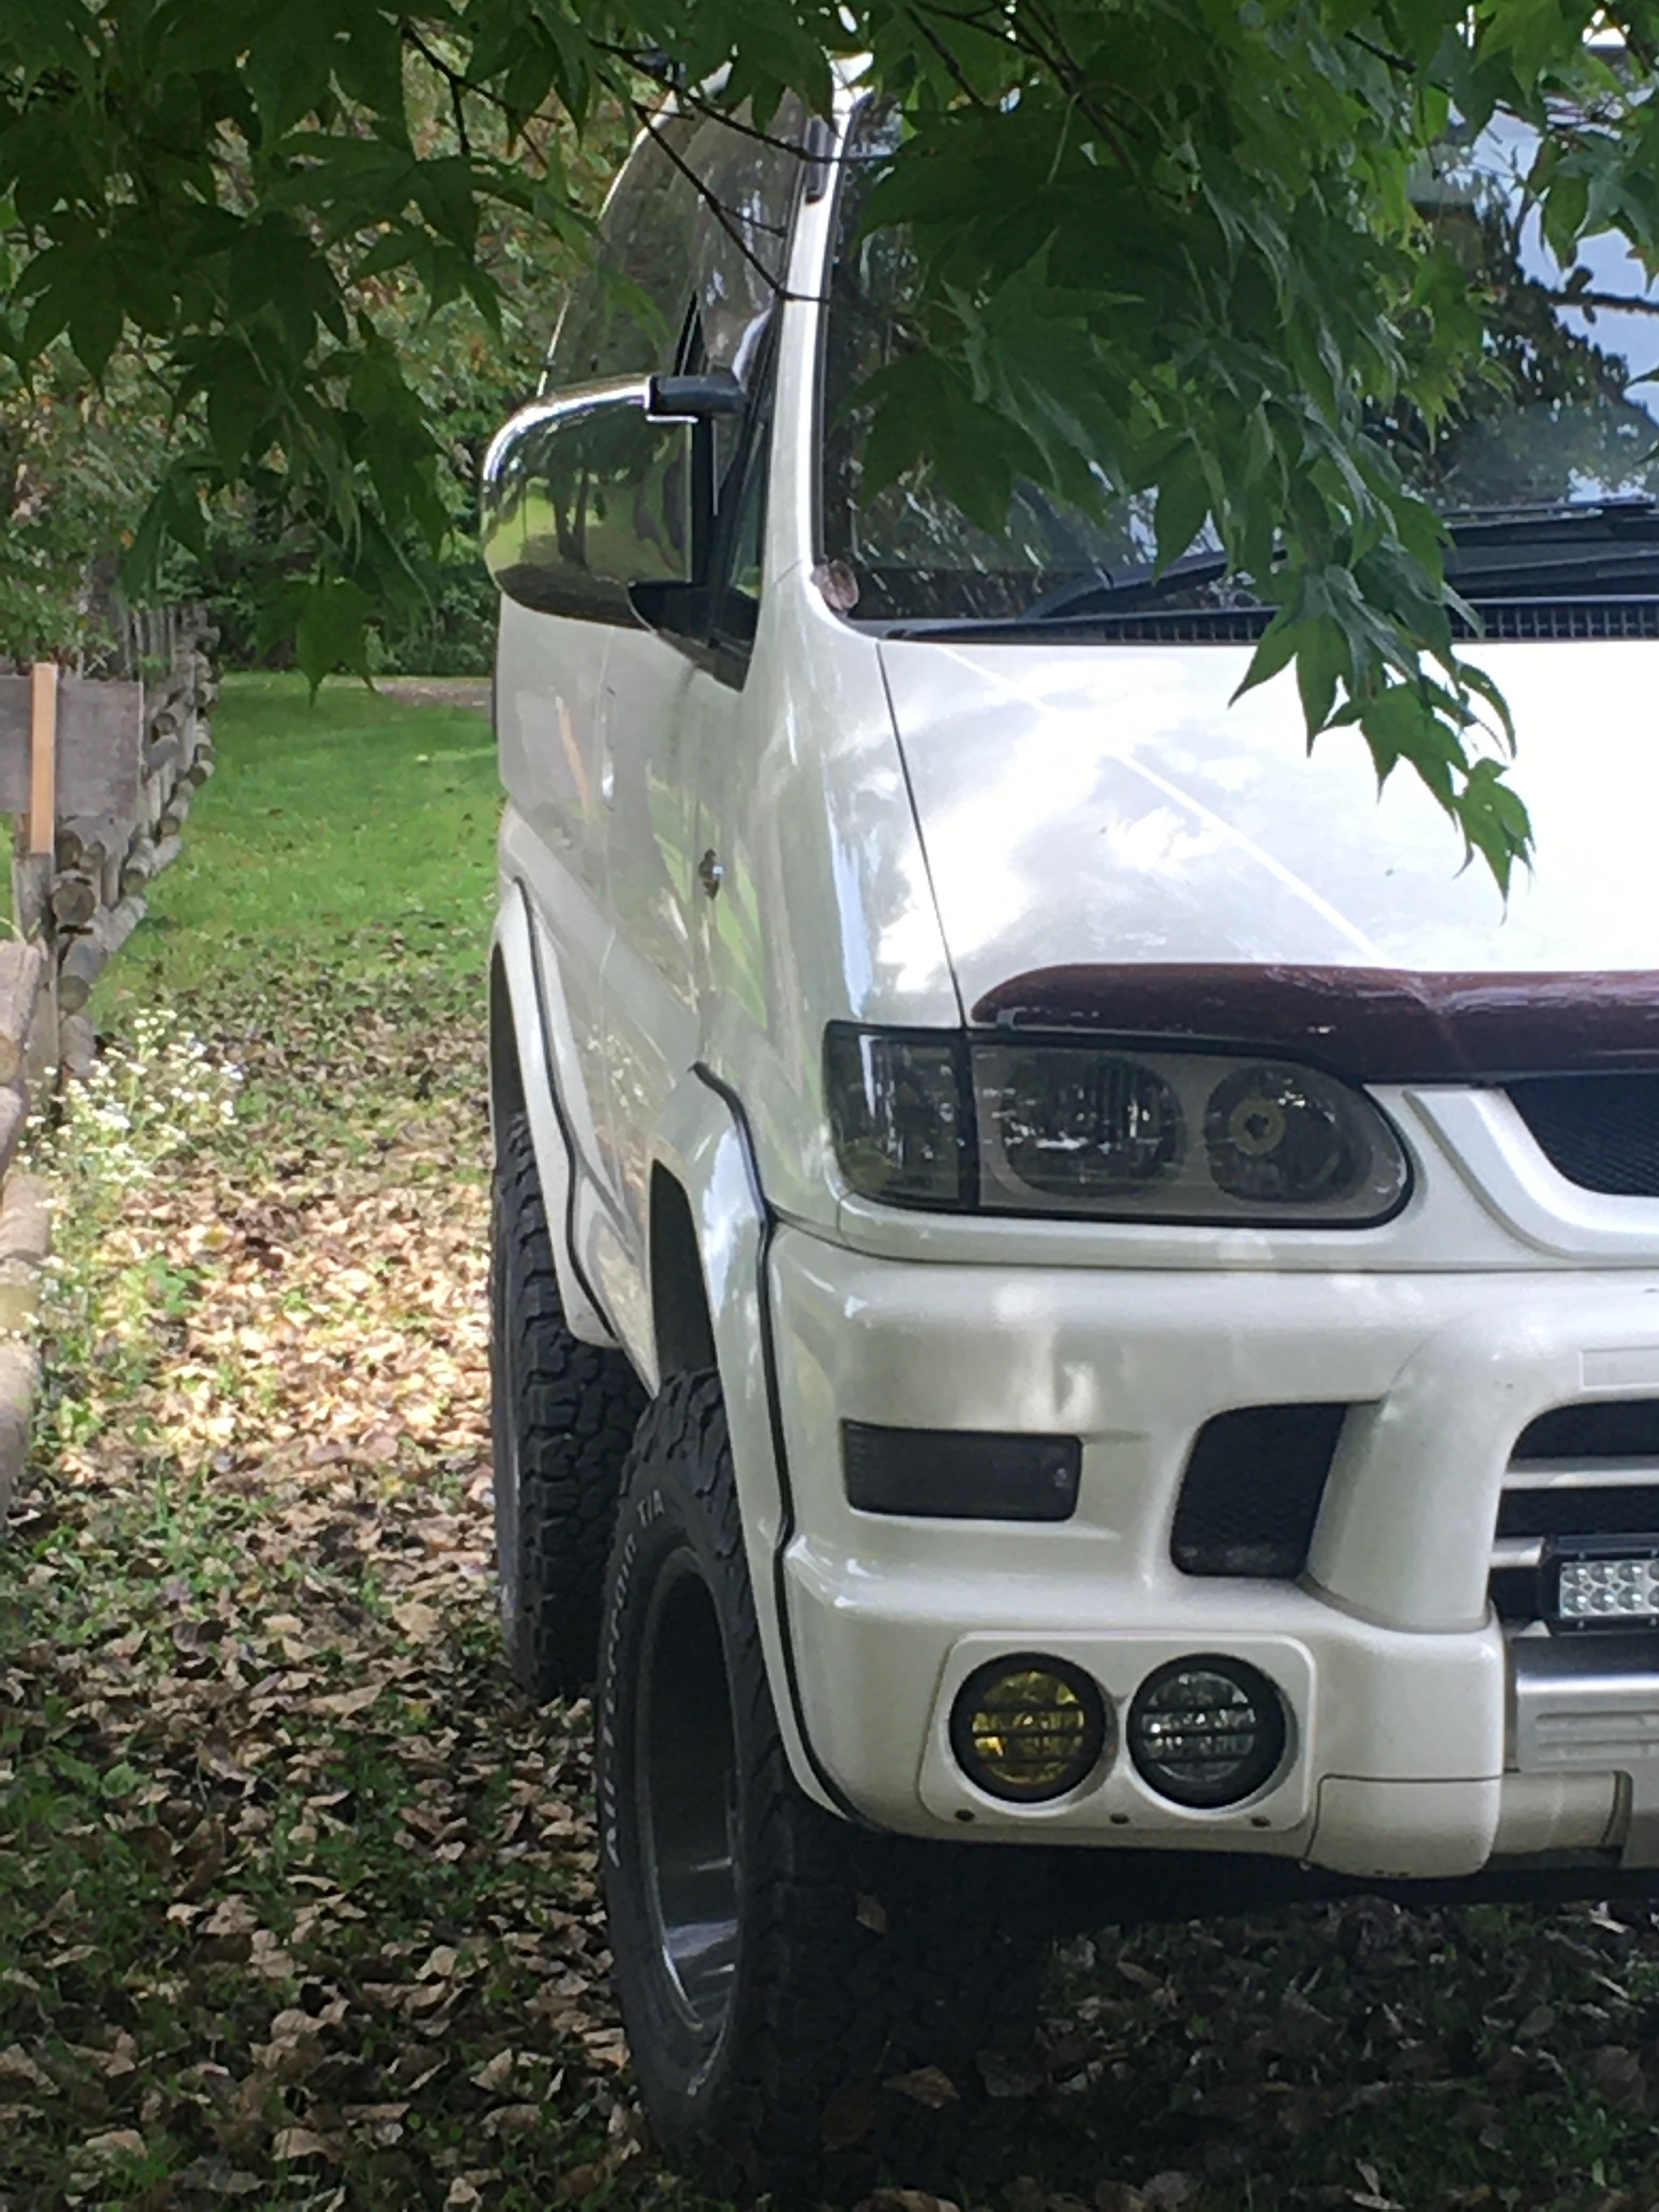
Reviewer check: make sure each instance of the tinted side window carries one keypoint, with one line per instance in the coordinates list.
(741, 240)
(625, 318)
(668, 243)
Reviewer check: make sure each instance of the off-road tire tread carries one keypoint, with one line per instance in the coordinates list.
(579, 1404)
(867, 1957)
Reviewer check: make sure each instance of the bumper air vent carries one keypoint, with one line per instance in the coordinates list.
(1251, 1492)
(1576, 1472)
(1601, 1131)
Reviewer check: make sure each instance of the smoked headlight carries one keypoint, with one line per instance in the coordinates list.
(1287, 1135)
(1050, 1126)
(900, 1115)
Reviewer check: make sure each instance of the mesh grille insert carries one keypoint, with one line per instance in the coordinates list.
(1629, 1508)
(1624, 1428)
(1601, 1131)
(1251, 1492)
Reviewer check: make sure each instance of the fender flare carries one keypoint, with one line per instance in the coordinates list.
(517, 957)
(703, 1141)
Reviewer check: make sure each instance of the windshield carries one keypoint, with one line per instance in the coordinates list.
(1568, 417)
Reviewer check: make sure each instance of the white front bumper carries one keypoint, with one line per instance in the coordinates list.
(1397, 1678)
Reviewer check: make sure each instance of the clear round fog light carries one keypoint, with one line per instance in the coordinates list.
(1206, 1731)
(1027, 1728)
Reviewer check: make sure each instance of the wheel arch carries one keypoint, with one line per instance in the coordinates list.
(712, 1307)
(507, 1096)
(521, 1079)
(683, 1328)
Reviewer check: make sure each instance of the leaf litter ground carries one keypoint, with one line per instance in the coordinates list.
(297, 1903)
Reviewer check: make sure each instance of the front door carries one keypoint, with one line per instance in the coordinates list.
(669, 700)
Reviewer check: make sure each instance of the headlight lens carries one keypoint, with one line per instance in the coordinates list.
(925, 1119)
(899, 1115)
(1075, 1124)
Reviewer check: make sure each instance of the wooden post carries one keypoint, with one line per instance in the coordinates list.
(43, 758)
(32, 881)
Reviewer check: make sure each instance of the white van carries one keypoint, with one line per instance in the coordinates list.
(1062, 1277)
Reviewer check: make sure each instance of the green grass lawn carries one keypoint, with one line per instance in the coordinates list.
(333, 832)
(297, 1899)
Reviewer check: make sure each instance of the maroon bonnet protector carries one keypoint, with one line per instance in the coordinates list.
(1372, 1024)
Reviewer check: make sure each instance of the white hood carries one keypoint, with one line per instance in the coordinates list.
(1105, 804)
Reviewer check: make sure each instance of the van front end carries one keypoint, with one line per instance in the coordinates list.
(1338, 1545)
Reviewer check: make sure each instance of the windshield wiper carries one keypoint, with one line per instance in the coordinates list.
(1573, 548)
(1617, 515)
(1081, 599)
(1574, 540)
(1135, 587)
(1566, 548)
(1571, 545)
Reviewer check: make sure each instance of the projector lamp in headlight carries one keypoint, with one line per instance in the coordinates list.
(1206, 1731)
(1288, 1136)
(1029, 1729)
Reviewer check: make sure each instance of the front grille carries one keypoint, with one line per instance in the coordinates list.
(1252, 1489)
(1523, 622)
(1601, 1131)
(1577, 1471)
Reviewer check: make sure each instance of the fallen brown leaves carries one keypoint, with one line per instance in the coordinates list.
(297, 1903)
(299, 1895)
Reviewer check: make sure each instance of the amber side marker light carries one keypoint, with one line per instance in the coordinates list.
(1028, 1729)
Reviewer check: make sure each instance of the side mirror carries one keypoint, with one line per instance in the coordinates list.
(588, 495)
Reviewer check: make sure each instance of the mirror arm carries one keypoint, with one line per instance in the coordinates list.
(696, 398)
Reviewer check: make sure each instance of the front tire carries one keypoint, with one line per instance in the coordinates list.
(563, 1415)
(807, 2003)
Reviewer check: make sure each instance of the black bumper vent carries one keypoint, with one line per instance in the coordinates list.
(1622, 1428)
(1601, 1131)
(1624, 1509)
(1251, 1492)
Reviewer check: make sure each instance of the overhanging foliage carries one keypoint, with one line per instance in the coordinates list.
(1173, 241)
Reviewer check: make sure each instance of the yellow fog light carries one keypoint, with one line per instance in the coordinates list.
(1026, 1728)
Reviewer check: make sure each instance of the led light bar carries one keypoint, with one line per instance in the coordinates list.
(1606, 1589)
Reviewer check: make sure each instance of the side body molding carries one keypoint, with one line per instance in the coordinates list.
(513, 945)
(702, 1140)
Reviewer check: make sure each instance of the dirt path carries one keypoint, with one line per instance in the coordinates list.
(438, 690)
